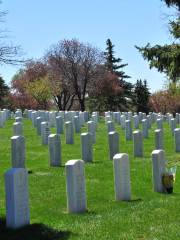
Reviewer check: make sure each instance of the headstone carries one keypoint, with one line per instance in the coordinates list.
(113, 139)
(18, 119)
(138, 143)
(92, 130)
(86, 147)
(145, 128)
(45, 131)
(158, 169)
(110, 126)
(136, 121)
(39, 120)
(18, 151)
(59, 125)
(77, 125)
(75, 186)
(159, 139)
(159, 123)
(17, 201)
(54, 150)
(172, 125)
(122, 177)
(177, 139)
(123, 121)
(69, 132)
(17, 129)
(128, 130)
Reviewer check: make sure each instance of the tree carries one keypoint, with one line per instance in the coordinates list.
(166, 58)
(4, 91)
(114, 66)
(77, 63)
(142, 95)
(30, 85)
(104, 92)
(61, 88)
(112, 62)
(9, 54)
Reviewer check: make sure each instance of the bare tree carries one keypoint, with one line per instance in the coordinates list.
(77, 63)
(9, 54)
(60, 87)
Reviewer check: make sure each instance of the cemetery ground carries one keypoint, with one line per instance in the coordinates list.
(148, 215)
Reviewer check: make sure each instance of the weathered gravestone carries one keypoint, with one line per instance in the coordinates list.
(54, 142)
(75, 186)
(18, 151)
(17, 201)
(122, 177)
(158, 169)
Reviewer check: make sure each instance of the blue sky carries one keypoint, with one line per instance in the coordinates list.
(37, 24)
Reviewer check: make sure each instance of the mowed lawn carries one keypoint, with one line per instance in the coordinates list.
(149, 215)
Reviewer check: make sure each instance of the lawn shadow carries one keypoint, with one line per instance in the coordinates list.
(36, 231)
(135, 200)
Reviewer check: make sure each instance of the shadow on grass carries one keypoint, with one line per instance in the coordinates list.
(34, 231)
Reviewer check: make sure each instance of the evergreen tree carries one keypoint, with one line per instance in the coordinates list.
(4, 90)
(114, 65)
(166, 58)
(142, 94)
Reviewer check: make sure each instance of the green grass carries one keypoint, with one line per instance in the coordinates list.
(148, 216)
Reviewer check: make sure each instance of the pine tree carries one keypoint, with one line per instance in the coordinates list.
(142, 95)
(4, 90)
(115, 66)
(166, 58)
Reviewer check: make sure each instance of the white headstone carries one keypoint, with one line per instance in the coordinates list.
(18, 151)
(75, 186)
(138, 143)
(17, 201)
(158, 169)
(122, 177)
(86, 147)
(54, 142)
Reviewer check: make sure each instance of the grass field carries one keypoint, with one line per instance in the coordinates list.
(148, 216)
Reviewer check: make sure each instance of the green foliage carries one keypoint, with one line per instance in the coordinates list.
(142, 94)
(166, 58)
(172, 3)
(113, 64)
(113, 101)
(4, 91)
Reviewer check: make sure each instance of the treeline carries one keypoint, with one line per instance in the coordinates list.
(75, 75)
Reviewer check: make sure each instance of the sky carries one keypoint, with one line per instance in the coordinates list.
(37, 24)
